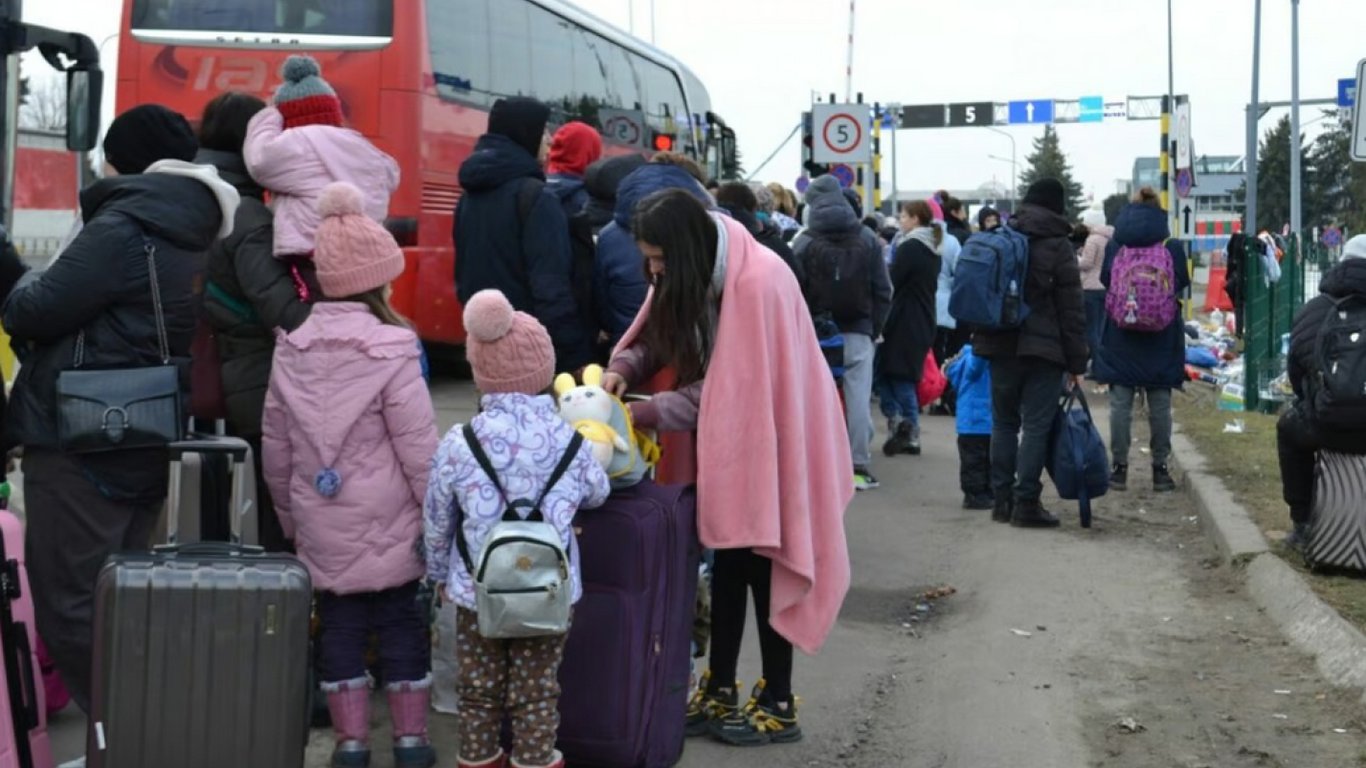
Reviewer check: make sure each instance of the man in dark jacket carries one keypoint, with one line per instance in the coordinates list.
(511, 232)
(739, 200)
(1299, 434)
(1029, 364)
(1135, 360)
(248, 293)
(619, 284)
(845, 276)
(99, 290)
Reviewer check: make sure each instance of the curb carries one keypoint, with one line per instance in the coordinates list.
(1338, 647)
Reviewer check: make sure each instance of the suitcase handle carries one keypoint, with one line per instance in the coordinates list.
(211, 549)
(234, 447)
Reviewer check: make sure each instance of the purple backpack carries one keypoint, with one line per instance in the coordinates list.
(1142, 293)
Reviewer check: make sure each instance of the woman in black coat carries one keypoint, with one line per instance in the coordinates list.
(910, 328)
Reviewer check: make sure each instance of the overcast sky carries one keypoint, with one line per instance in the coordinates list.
(762, 59)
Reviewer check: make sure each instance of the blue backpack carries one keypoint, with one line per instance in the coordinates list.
(989, 280)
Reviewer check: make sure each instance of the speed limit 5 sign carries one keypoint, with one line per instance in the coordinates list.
(842, 133)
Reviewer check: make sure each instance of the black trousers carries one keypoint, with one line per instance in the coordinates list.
(974, 464)
(72, 528)
(1298, 441)
(735, 572)
(1025, 395)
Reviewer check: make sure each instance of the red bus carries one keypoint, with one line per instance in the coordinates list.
(418, 77)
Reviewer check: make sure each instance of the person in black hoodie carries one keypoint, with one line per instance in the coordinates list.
(739, 200)
(248, 293)
(1300, 435)
(988, 219)
(1030, 365)
(1133, 360)
(845, 278)
(99, 289)
(511, 233)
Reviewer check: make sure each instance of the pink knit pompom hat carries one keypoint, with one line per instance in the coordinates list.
(352, 252)
(510, 351)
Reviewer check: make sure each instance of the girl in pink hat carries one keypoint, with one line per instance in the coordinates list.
(348, 432)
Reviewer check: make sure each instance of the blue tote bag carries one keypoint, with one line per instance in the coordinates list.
(1077, 460)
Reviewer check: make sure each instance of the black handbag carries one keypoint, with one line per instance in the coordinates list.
(121, 408)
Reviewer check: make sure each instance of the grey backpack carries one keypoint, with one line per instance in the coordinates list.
(522, 584)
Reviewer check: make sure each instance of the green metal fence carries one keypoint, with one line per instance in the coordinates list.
(1270, 308)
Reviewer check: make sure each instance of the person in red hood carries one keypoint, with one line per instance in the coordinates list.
(575, 147)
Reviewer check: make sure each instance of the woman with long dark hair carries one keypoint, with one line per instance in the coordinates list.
(728, 318)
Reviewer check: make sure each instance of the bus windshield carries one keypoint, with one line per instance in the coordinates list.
(351, 18)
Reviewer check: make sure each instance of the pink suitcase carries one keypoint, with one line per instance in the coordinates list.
(22, 707)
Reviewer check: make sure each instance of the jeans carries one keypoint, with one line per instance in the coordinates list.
(899, 400)
(736, 573)
(974, 464)
(1298, 441)
(858, 396)
(1094, 302)
(1159, 423)
(393, 614)
(1025, 396)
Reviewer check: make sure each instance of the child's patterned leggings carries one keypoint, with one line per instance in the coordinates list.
(519, 677)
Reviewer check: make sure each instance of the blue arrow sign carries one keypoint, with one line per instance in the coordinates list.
(1092, 109)
(1347, 91)
(1035, 111)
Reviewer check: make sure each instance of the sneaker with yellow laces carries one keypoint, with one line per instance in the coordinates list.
(763, 720)
(709, 704)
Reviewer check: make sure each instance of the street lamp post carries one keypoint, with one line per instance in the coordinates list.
(1014, 178)
(1295, 189)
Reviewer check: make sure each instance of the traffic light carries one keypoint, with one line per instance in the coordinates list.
(662, 142)
(812, 169)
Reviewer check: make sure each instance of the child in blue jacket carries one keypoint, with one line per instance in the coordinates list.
(970, 377)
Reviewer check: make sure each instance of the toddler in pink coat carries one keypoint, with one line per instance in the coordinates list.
(348, 434)
(298, 146)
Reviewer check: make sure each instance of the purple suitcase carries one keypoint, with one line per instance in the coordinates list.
(625, 670)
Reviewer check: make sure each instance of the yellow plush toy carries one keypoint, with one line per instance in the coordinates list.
(605, 423)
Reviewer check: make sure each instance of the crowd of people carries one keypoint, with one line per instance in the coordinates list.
(681, 287)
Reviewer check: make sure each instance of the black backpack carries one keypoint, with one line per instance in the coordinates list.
(1339, 383)
(837, 285)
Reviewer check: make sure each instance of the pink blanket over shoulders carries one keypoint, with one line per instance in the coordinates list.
(773, 466)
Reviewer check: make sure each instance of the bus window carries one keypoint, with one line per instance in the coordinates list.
(590, 82)
(665, 109)
(622, 83)
(459, 41)
(552, 68)
(509, 44)
(359, 18)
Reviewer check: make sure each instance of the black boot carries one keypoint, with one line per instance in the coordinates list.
(900, 441)
(1003, 509)
(1031, 514)
(1162, 479)
(1119, 478)
(978, 501)
(913, 442)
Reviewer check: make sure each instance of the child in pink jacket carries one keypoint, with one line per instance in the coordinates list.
(299, 146)
(348, 433)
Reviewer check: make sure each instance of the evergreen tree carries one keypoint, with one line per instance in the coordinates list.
(1048, 161)
(1335, 187)
(1273, 179)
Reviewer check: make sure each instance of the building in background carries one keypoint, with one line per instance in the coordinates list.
(1218, 211)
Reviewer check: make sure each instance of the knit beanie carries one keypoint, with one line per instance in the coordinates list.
(145, 134)
(1049, 194)
(520, 119)
(575, 147)
(1093, 217)
(1355, 248)
(509, 351)
(305, 98)
(353, 254)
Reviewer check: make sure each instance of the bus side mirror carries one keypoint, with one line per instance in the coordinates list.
(84, 87)
(729, 162)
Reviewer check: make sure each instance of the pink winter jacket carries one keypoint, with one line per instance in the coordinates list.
(348, 413)
(296, 164)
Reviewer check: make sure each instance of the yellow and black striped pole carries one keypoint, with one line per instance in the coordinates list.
(1164, 160)
(877, 158)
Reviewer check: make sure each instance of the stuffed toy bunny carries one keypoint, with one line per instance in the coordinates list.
(605, 424)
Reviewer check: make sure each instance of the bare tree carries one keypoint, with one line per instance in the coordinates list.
(45, 108)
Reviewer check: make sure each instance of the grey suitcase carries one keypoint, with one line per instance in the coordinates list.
(201, 650)
(1337, 526)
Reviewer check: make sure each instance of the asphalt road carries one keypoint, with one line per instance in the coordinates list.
(1050, 640)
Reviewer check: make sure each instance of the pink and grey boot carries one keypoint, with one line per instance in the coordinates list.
(409, 703)
(349, 703)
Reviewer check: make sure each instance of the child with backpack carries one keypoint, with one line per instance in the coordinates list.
(504, 490)
(298, 146)
(970, 377)
(347, 435)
